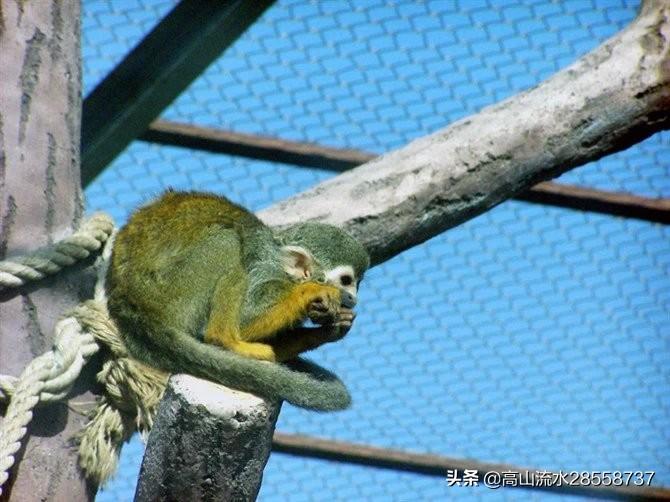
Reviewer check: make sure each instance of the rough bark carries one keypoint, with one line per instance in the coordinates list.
(213, 444)
(40, 202)
(611, 98)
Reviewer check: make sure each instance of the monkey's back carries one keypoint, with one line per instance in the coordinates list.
(168, 258)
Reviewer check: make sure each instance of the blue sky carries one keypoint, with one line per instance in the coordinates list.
(530, 335)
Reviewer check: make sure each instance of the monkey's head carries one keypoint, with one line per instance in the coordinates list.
(325, 252)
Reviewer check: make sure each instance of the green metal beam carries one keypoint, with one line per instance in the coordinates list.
(155, 72)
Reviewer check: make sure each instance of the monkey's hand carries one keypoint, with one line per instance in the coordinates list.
(324, 309)
(340, 326)
(293, 342)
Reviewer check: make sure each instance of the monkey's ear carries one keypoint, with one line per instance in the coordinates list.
(297, 262)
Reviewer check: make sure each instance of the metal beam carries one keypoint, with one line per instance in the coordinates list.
(434, 465)
(336, 159)
(254, 147)
(599, 201)
(155, 72)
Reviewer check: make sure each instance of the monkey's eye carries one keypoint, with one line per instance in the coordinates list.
(346, 280)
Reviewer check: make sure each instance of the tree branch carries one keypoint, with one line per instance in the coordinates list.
(340, 159)
(611, 98)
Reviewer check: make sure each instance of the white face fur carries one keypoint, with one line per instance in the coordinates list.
(343, 277)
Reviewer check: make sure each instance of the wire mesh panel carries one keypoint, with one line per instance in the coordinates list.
(530, 335)
(110, 29)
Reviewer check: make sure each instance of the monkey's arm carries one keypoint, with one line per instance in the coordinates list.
(277, 306)
(287, 308)
(223, 324)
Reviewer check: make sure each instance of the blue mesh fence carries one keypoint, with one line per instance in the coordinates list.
(530, 335)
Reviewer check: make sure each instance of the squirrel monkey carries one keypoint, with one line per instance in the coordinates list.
(191, 271)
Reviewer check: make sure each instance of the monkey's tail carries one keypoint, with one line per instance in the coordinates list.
(300, 382)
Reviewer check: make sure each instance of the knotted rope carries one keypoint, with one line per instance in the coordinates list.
(132, 389)
(51, 259)
(132, 393)
(49, 377)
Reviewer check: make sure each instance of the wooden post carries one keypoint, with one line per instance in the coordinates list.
(41, 202)
(208, 443)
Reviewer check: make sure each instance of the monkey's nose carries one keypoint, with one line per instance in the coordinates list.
(348, 300)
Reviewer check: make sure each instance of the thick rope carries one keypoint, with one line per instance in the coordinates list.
(132, 389)
(51, 259)
(132, 393)
(50, 376)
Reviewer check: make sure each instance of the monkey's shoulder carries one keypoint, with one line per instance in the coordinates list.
(197, 207)
(186, 216)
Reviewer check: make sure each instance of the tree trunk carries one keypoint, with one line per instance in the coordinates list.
(41, 202)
